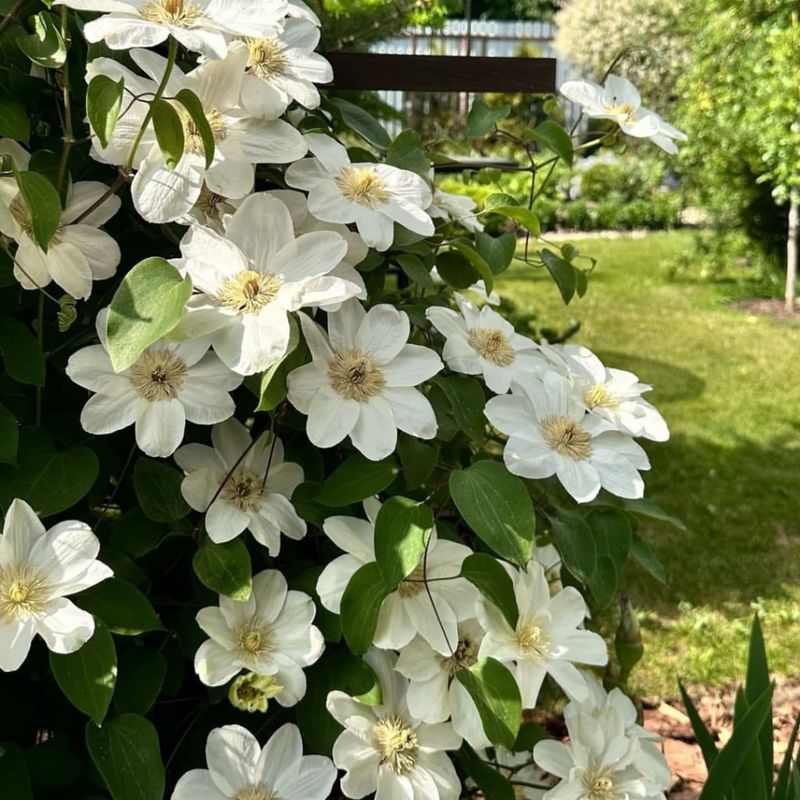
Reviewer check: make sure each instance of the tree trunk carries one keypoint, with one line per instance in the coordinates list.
(791, 251)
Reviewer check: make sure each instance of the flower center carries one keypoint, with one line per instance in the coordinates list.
(266, 58)
(249, 291)
(601, 787)
(255, 639)
(244, 490)
(213, 205)
(192, 140)
(158, 375)
(493, 345)
(397, 744)
(172, 12)
(21, 594)
(355, 376)
(465, 656)
(363, 186)
(256, 793)
(599, 397)
(532, 642)
(627, 110)
(252, 692)
(566, 437)
(413, 584)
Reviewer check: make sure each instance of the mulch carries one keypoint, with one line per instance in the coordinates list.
(766, 307)
(669, 721)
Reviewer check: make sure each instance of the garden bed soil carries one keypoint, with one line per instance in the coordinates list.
(769, 307)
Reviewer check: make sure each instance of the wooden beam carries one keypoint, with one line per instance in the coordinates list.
(372, 71)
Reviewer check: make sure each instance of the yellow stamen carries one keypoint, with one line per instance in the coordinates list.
(566, 437)
(249, 291)
(158, 374)
(266, 58)
(493, 345)
(397, 744)
(355, 376)
(362, 185)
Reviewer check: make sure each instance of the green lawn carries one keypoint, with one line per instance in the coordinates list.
(729, 386)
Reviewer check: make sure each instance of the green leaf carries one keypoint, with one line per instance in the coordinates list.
(22, 357)
(758, 681)
(477, 261)
(613, 535)
(356, 479)
(87, 677)
(14, 122)
(574, 541)
(126, 752)
(103, 104)
(9, 436)
(497, 506)
(529, 735)
(604, 582)
(158, 488)
(135, 534)
(192, 103)
(148, 304)
(14, 776)
(44, 204)
(467, 401)
(225, 568)
(456, 270)
(725, 769)
(482, 118)
(492, 784)
(361, 603)
(416, 271)
(418, 458)
(750, 782)
(496, 696)
(402, 530)
(647, 508)
(141, 676)
(701, 733)
(497, 251)
(50, 480)
(551, 135)
(647, 558)
(782, 781)
(493, 582)
(273, 382)
(169, 132)
(121, 606)
(45, 46)
(524, 216)
(362, 123)
(498, 200)
(562, 272)
(406, 152)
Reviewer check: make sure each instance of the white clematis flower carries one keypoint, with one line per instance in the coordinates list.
(481, 342)
(284, 68)
(434, 695)
(240, 769)
(170, 384)
(357, 250)
(241, 140)
(373, 196)
(616, 708)
(38, 570)
(547, 639)
(361, 380)
(408, 610)
(384, 749)
(458, 208)
(78, 254)
(251, 278)
(611, 394)
(550, 433)
(270, 633)
(202, 26)
(251, 499)
(619, 100)
(608, 755)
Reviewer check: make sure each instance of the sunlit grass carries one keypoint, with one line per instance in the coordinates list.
(729, 385)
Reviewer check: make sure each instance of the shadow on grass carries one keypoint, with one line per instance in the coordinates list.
(742, 540)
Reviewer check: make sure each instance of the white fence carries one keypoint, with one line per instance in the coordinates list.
(479, 38)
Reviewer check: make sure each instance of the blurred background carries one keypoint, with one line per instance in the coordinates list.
(693, 288)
